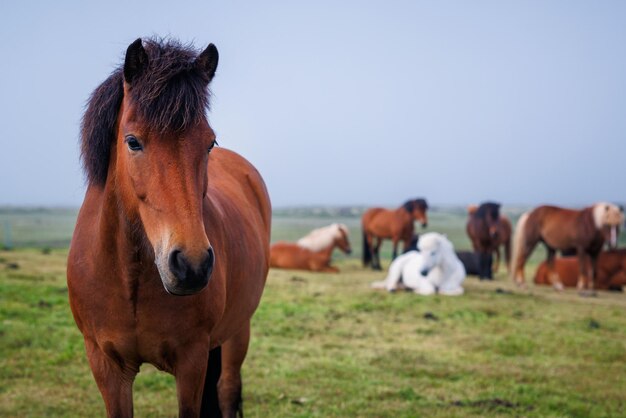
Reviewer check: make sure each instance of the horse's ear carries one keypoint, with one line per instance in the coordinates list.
(135, 62)
(206, 62)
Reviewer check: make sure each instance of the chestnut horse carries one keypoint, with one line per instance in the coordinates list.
(170, 252)
(586, 230)
(610, 270)
(395, 224)
(312, 252)
(504, 235)
(483, 226)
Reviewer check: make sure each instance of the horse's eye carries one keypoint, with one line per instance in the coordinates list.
(213, 144)
(133, 143)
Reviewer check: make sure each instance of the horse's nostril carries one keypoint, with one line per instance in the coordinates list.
(207, 264)
(178, 264)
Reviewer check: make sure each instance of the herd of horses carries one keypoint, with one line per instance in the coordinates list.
(171, 248)
(581, 232)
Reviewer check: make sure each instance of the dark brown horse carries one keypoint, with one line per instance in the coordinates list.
(504, 235)
(394, 224)
(483, 226)
(170, 252)
(585, 230)
(610, 271)
(312, 252)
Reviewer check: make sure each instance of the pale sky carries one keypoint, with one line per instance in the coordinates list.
(345, 102)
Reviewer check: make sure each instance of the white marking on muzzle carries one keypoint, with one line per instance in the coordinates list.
(614, 236)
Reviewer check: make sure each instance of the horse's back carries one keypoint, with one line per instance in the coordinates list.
(369, 215)
(546, 214)
(284, 255)
(385, 223)
(288, 255)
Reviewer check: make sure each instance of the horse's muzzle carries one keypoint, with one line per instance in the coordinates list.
(189, 277)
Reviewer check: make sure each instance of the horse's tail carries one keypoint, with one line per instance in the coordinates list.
(210, 405)
(519, 238)
(367, 252)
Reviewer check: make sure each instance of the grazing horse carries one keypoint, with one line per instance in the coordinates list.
(504, 235)
(395, 224)
(312, 252)
(171, 248)
(610, 271)
(586, 230)
(434, 267)
(482, 228)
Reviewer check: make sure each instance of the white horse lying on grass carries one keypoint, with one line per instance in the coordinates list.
(434, 267)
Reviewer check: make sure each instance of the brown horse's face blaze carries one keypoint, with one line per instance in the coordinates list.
(165, 178)
(419, 214)
(493, 226)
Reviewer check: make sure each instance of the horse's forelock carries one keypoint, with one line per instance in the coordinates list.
(171, 95)
(488, 208)
(421, 203)
(607, 214)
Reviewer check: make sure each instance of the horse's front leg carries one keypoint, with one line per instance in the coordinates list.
(376, 253)
(593, 272)
(190, 371)
(114, 378)
(229, 387)
(582, 269)
(496, 263)
(395, 241)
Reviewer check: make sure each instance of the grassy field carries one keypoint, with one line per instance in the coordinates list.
(328, 346)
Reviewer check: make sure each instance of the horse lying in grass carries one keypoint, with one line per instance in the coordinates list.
(586, 230)
(433, 268)
(610, 273)
(312, 252)
(471, 262)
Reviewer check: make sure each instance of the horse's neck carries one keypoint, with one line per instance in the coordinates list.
(327, 252)
(405, 216)
(586, 218)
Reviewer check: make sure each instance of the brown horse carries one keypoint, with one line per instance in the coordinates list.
(483, 226)
(312, 252)
(395, 224)
(586, 230)
(504, 234)
(610, 273)
(170, 252)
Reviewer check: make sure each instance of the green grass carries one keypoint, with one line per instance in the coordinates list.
(327, 345)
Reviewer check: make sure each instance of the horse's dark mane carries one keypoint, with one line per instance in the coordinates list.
(171, 95)
(410, 205)
(488, 208)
